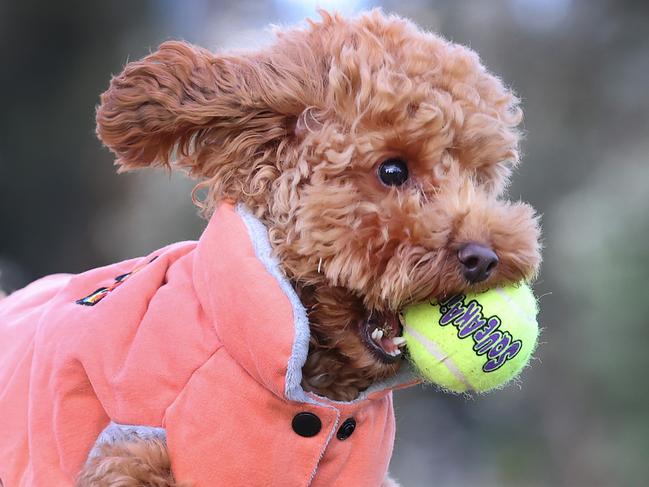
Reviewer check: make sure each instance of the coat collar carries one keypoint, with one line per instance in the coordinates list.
(255, 310)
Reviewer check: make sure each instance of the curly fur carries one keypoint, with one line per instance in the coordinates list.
(133, 463)
(296, 132)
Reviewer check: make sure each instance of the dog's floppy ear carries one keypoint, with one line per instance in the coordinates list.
(215, 114)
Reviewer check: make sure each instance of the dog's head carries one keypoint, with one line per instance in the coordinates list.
(377, 155)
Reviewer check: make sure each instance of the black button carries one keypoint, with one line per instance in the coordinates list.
(346, 429)
(306, 424)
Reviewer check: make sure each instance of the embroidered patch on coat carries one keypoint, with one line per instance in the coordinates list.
(102, 292)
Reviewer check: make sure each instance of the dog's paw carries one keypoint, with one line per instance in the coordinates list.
(131, 463)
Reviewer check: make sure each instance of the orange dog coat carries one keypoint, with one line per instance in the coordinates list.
(205, 339)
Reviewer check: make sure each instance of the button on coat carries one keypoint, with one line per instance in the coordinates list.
(306, 424)
(346, 429)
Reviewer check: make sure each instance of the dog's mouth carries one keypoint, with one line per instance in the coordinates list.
(381, 334)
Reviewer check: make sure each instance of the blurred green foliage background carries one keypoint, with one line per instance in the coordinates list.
(580, 416)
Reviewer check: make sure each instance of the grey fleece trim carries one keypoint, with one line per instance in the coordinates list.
(263, 251)
(114, 433)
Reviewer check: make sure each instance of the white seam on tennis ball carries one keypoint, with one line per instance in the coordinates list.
(514, 305)
(438, 353)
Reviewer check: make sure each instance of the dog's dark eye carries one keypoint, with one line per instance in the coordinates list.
(393, 172)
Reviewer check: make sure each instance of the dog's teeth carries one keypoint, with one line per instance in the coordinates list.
(395, 353)
(375, 335)
(399, 341)
(379, 334)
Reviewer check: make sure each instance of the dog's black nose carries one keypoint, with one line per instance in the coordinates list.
(478, 261)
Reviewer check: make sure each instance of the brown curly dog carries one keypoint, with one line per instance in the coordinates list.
(376, 155)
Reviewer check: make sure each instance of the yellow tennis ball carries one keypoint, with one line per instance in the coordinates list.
(474, 342)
